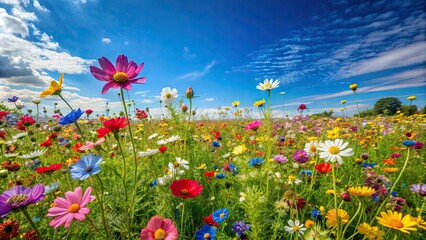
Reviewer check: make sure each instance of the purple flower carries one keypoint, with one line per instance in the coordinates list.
(240, 227)
(12, 99)
(280, 159)
(19, 197)
(419, 188)
(300, 156)
(418, 145)
(121, 76)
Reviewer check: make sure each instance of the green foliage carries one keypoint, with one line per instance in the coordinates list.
(323, 114)
(409, 110)
(367, 113)
(387, 106)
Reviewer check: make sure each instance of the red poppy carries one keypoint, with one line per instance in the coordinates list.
(301, 107)
(2, 135)
(31, 235)
(11, 166)
(46, 143)
(53, 135)
(209, 174)
(186, 188)
(49, 169)
(9, 229)
(77, 147)
(209, 220)
(112, 125)
(3, 113)
(141, 114)
(26, 121)
(88, 111)
(162, 149)
(323, 167)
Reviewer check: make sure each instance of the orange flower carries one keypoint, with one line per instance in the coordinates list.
(77, 146)
(389, 161)
(394, 148)
(410, 135)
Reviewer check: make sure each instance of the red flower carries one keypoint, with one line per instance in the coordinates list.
(141, 114)
(9, 229)
(301, 107)
(162, 149)
(112, 125)
(2, 135)
(46, 143)
(3, 113)
(88, 111)
(77, 146)
(323, 167)
(11, 166)
(186, 188)
(53, 135)
(31, 235)
(209, 174)
(26, 121)
(209, 220)
(51, 168)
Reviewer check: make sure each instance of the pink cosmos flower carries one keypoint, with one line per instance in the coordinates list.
(159, 228)
(121, 76)
(73, 206)
(253, 125)
(90, 145)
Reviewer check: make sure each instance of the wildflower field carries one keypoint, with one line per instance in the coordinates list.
(183, 177)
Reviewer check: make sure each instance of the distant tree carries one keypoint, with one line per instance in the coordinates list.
(387, 105)
(409, 110)
(424, 110)
(367, 113)
(323, 114)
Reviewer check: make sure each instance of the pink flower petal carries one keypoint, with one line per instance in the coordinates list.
(100, 74)
(121, 63)
(146, 234)
(138, 80)
(109, 85)
(155, 223)
(106, 65)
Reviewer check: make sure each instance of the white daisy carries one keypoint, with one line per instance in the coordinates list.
(148, 152)
(243, 196)
(169, 95)
(268, 85)
(10, 155)
(162, 142)
(173, 138)
(333, 151)
(34, 154)
(152, 136)
(311, 148)
(295, 227)
(20, 135)
(181, 163)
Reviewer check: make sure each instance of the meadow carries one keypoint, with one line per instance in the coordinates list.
(77, 176)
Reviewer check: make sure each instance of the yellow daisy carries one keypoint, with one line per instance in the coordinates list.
(333, 219)
(361, 191)
(370, 232)
(55, 88)
(396, 221)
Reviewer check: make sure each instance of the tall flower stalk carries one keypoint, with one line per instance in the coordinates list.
(354, 87)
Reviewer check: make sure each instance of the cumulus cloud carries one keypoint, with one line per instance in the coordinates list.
(12, 25)
(106, 40)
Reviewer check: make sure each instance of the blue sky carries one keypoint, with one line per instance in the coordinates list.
(222, 49)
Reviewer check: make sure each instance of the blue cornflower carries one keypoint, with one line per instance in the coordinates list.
(408, 143)
(215, 144)
(153, 183)
(305, 172)
(71, 117)
(206, 232)
(50, 188)
(316, 214)
(220, 175)
(12, 99)
(255, 162)
(370, 165)
(220, 215)
(86, 166)
(240, 227)
(282, 139)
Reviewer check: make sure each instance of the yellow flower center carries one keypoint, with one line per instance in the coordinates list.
(168, 95)
(296, 228)
(184, 191)
(313, 148)
(206, 236)
(74, 208)
(159, 234)
(396, 223)
(17, 199)
(333, 150)
(281, 205)
(291, 178)
(120, 77)
(222, 215)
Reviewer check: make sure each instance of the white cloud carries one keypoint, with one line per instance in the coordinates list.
(197, 74)
(26, 16)
(147, 101)
(12, 25)
(414, 53)
(39, 7)
(209, 99)
(187, 54)
(106, 40)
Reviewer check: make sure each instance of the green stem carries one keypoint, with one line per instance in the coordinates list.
(181, 219)
(32, 223)
(187, 126)
(353, 218)
(356, 101)
(93, 225)
(101, 203)
(393, 186)
(124, 164)
(335, 198)
(66, 102)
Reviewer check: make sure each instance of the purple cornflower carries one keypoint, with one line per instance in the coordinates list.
(419, 188)
(301, 156)
(13, 99)
(280, 159)
(240, 227)
(19, 197)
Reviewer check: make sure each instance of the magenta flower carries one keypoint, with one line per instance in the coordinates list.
(73, 206)
(159, 228)
(90, 145)
(19, 197)
(301, 156)
(253, 125)
(121, 76)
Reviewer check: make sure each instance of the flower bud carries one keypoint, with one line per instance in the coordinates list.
(346, 197)
(189, 93)
(184, 108)
(353, 86)
(3, 173)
